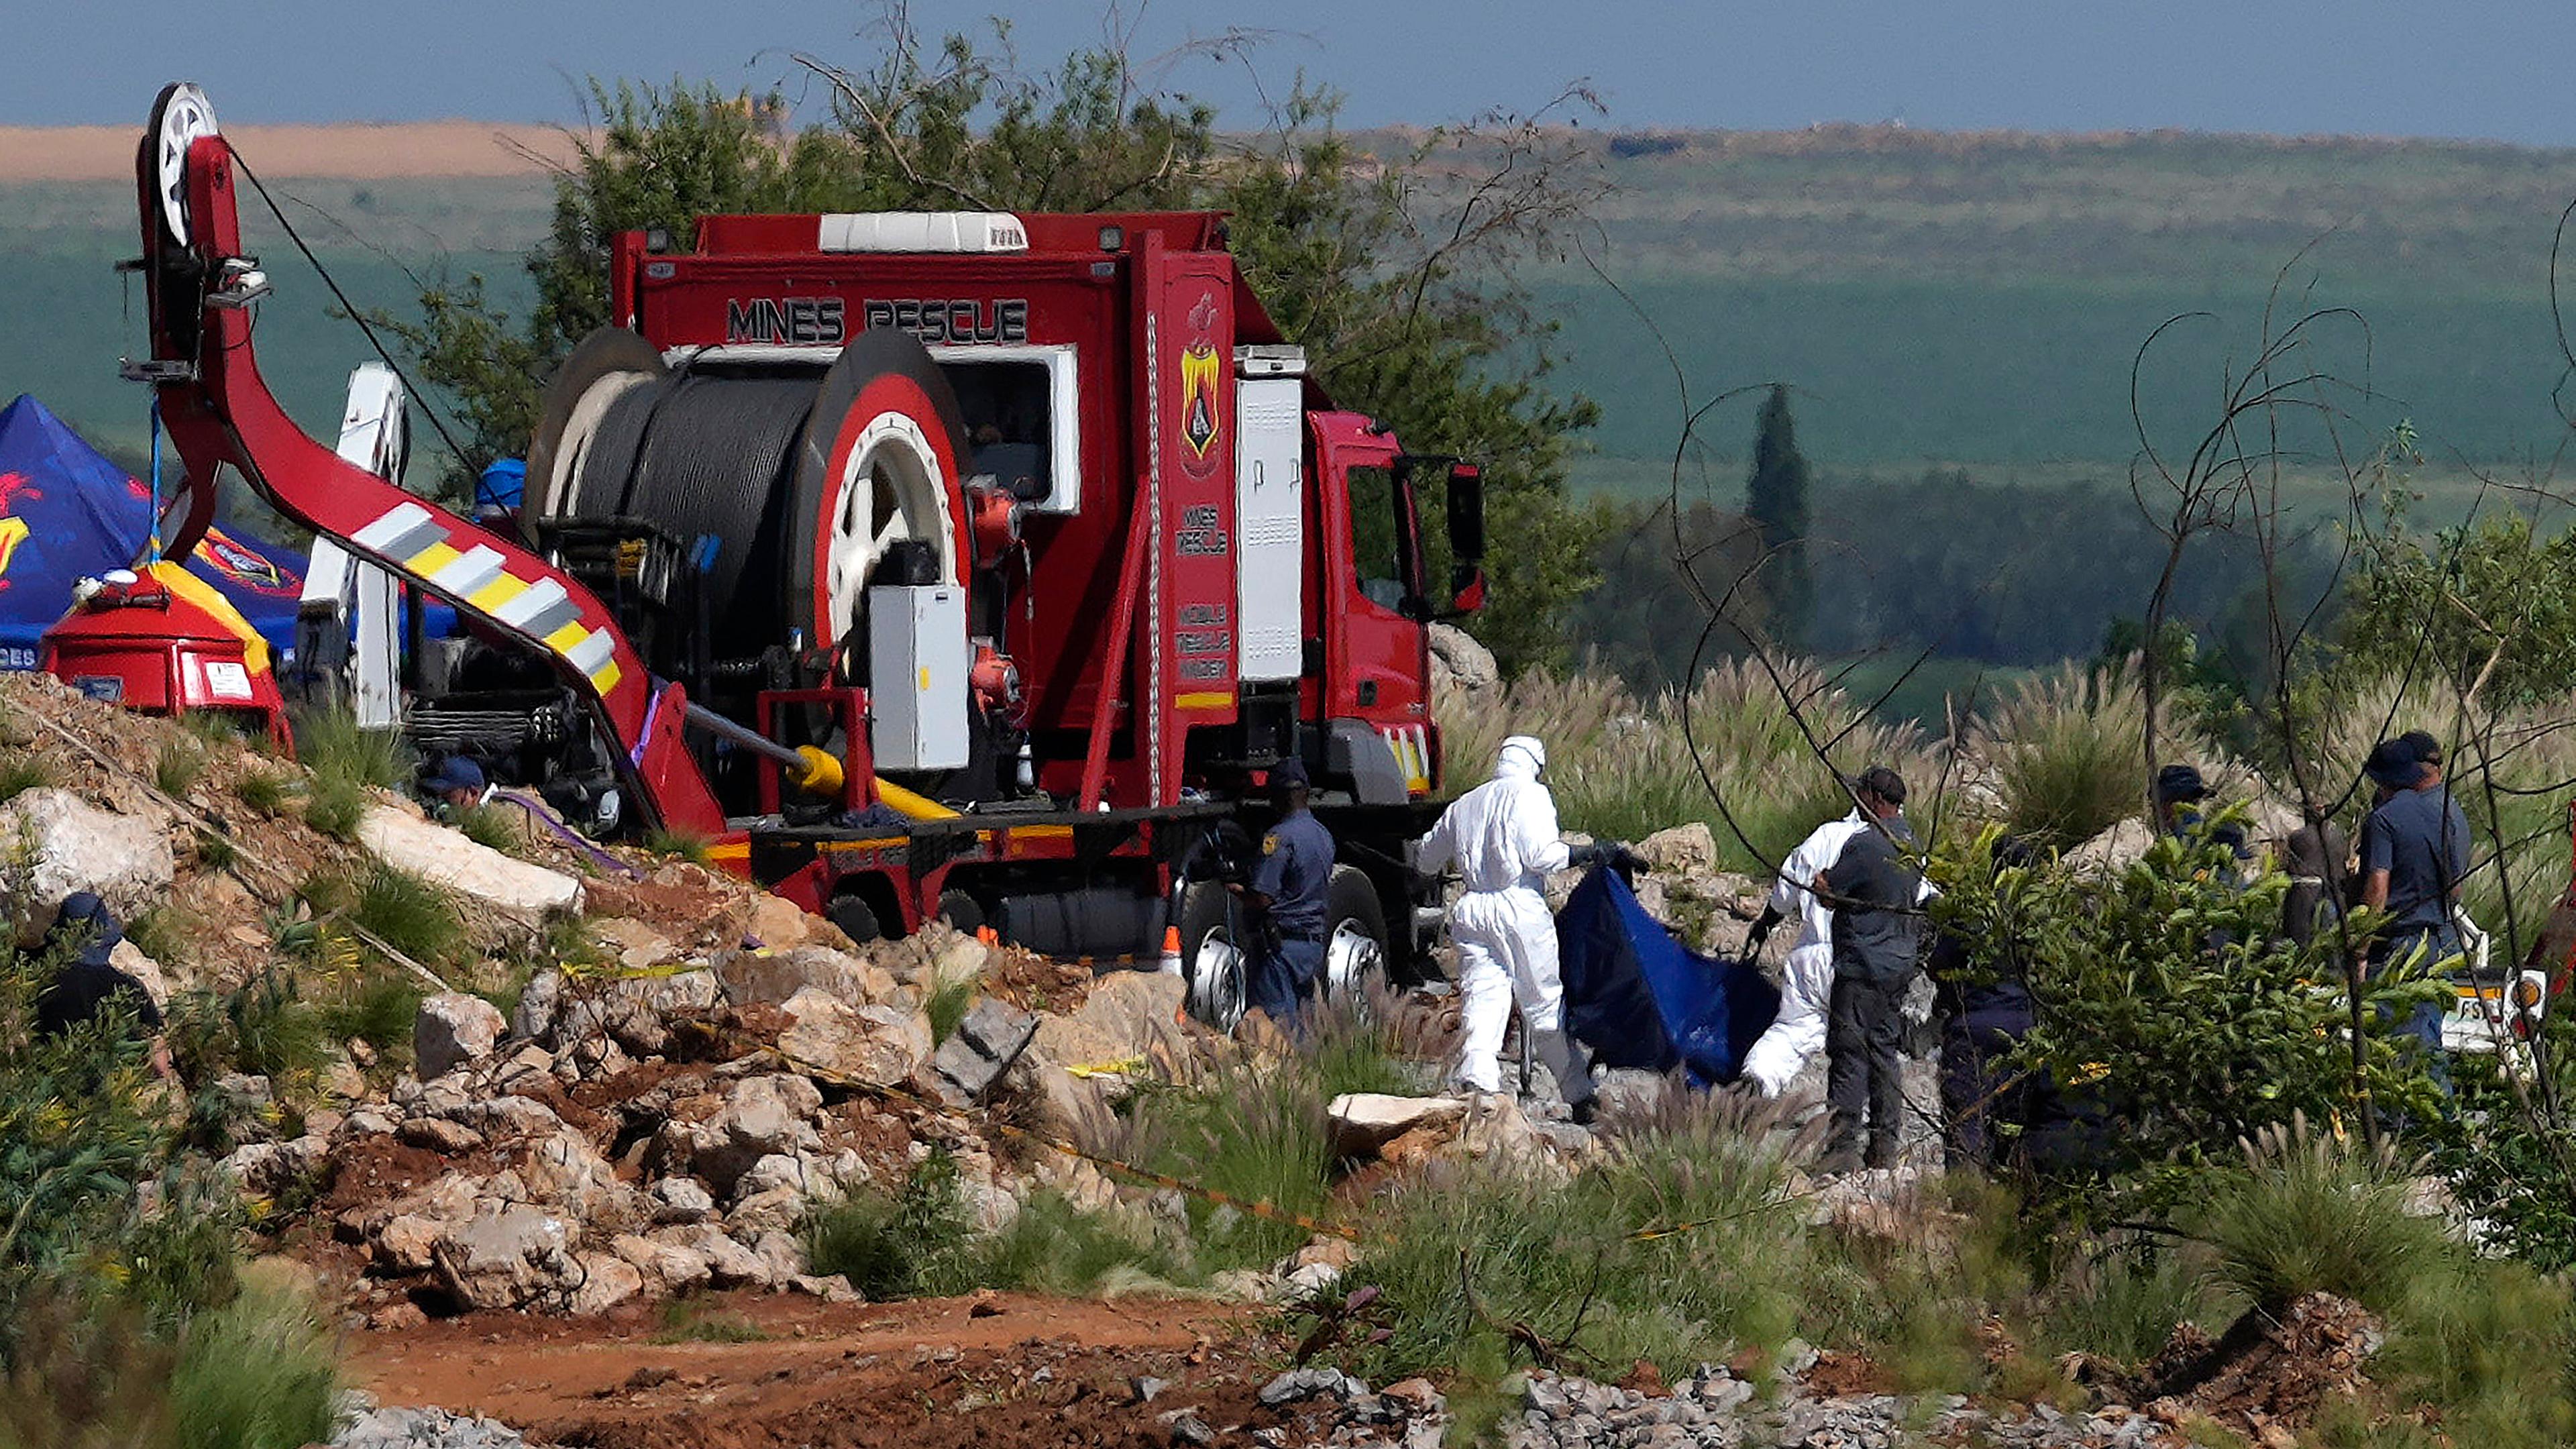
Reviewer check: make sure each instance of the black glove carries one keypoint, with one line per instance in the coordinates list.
(1761, 930)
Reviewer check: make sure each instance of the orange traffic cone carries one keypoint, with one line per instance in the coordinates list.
(1170, 965)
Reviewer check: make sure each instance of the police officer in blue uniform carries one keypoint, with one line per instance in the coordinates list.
(1290, 900)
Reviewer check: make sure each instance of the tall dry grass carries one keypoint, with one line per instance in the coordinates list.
(1624, 767)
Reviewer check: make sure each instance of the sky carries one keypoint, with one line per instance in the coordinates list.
(2488, 69)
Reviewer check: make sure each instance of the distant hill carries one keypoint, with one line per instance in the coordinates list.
(1968, 299)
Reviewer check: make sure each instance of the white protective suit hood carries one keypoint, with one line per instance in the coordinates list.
(1521, 758)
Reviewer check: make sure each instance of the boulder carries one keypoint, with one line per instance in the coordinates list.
(782, 925)
(983, 1047)
(564, 1169)
(875, 1045)
(127, 957)
(729, 1264)
(638, 946)
(681, 1200)
(452, 1029)
(776, 976)
(776, 1171)
(409, 1243)
(1458, 662)
(639, 1011)
(505, 1256)
(496, 885)
(1364, 1122)
(676, 1268)
(764, 1116)
(71, 845)
(533, 1018)
(1689, 850)
(1126, 1015)
(601, 1281)
(2115, 849)
(265, 1169)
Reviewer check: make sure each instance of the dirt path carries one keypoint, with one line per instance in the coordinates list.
(1007, 1371)
(359, 152)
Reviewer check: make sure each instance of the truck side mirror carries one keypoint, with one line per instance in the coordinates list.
(1466, 513)
(1466, 591)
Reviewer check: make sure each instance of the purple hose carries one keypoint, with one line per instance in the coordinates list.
(538, 812)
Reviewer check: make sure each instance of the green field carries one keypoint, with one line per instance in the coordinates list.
(1948, 309)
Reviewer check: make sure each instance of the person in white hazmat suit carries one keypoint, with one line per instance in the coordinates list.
(1807, 982)
(1503, 837)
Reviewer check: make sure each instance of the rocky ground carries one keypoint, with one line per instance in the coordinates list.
(533, 1220)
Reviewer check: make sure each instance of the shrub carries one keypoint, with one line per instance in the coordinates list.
(905, 1244)
(2312, 1213)
(1054, 1247)
(404, 911)
(1254, 1132)
(947, 1006)
(332, 745)
(1725, 1277)
(265, 791)
(2171, 1017)
(2489, 1346)
(685, 845)
(490, 828)
(2065, 748)
(179, 765)
(685, 1321)
(377, 1007)
(335, 807)
(22, 771)
(261, 1372)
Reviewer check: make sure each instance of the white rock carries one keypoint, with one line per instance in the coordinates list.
(876, 1045)
(526, 895)
(71, 845)
(2115, 849)
(453, 1028)
(534, 1015)
(127, 957)
(774, 976)
(1682, 850)
(1459, 662)
(1363, 1122)
(681, 1200)
(408, 1243)
(504, 1256)
(601, 1281)
(778, 1170)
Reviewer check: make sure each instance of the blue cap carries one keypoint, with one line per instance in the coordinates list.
(1290, 771)
(456, 772)
(2394, 764)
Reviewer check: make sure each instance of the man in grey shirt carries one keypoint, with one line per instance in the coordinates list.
(1873, 892)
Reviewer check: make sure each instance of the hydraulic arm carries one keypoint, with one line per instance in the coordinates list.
(219, 411)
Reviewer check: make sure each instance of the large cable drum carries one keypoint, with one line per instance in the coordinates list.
(814, 480)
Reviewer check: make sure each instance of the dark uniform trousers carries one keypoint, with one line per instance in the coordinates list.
(1864, 1027)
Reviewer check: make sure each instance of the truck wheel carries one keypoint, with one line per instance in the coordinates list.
(960, 911)
(854, 918)
(1355, 942)
(1211, 961)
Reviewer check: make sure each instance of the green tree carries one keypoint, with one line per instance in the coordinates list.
(1775, 499)
(1393, 269)
(2489, 608)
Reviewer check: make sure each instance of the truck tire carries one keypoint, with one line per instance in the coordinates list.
(855, 919)
(1355, 953)
(1211, 959)
(961, 911)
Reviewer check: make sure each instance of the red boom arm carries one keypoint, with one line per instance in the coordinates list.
(219, 410)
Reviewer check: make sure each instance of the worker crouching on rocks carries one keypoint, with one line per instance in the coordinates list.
(84, 935)
(1503, 837)
(1290, 899)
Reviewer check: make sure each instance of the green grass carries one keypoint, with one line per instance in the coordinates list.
(1542, 1256)
(377, 1007)
(263, 1372)
(912, 1242)
(685, 845)
(490, 828)
(21, 772)
(333, 746)
(216, 851)
(685, 1321)
(947, 1006)
(2310, 1213)
(163, 932)
(266, 791)
(335, 807)
(406, 912)
(178, 766)
(2067, 754)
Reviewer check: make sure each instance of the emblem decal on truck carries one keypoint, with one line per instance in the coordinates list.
(1201, 423)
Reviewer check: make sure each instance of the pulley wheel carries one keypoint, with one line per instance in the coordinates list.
(880, 462)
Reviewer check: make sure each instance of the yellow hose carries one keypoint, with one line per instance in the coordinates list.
(905, 802)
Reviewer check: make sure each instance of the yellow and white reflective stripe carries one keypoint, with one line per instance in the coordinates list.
(1411, 746)
(417, 539)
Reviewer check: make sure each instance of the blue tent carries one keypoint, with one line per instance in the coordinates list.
(67, 512)
(1640, 999)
